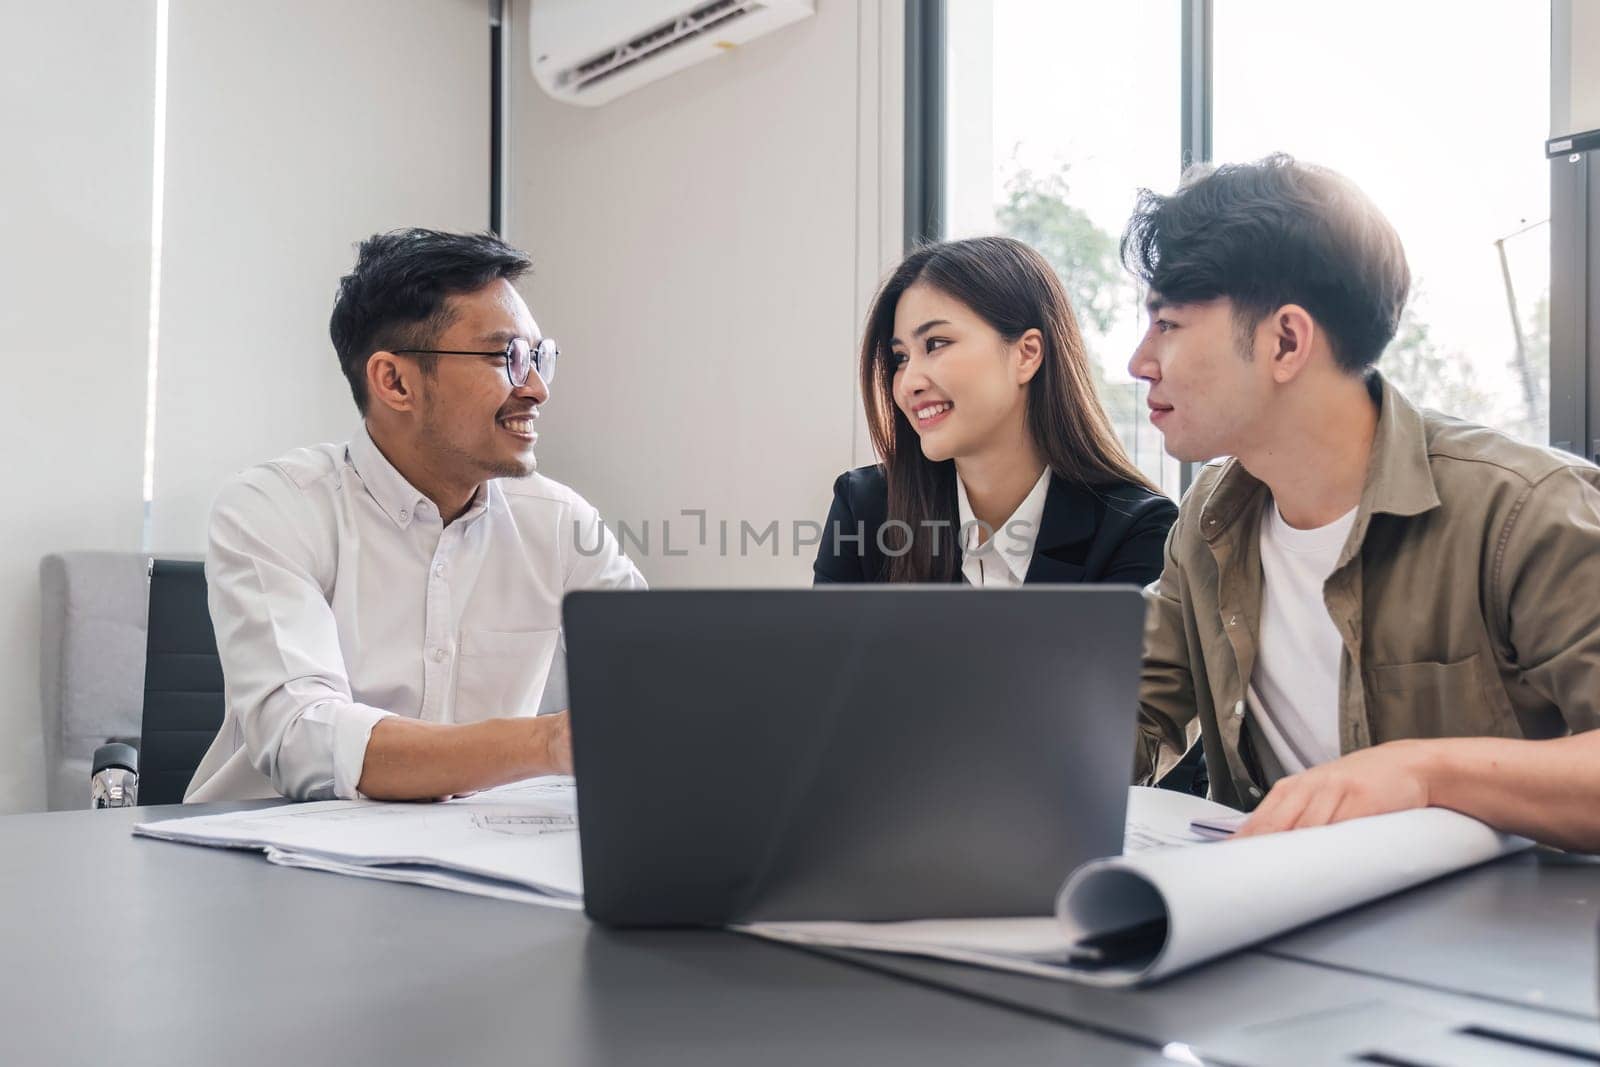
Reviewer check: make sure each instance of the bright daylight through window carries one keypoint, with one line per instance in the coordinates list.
(1058, 111)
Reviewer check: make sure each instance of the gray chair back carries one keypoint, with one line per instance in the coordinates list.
(91, 663)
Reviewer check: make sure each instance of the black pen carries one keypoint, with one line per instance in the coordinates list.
(1141, 940)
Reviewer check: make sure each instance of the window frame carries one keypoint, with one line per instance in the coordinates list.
(1574, 244)
(1574, 400)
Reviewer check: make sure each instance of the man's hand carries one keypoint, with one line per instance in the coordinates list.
(1388, 777)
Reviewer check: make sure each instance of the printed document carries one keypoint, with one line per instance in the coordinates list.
(517, 842)
(1192, 899)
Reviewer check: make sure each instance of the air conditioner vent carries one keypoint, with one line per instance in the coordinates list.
(591, 51)
(672, 34)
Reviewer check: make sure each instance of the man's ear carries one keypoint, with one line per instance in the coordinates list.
(1030, 348)
(393, 381)
(1291, 332)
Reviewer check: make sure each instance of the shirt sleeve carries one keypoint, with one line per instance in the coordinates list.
(1140, 557)
(1549, 571)
(594, 560)
(279, 642)
(833, 564)
(1166, 684)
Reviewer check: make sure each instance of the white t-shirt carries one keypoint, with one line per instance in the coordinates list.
(1294, 689)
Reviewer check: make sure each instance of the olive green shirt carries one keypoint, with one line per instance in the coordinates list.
(1467, 598)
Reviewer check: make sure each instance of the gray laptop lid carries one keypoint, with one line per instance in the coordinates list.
(867, 752)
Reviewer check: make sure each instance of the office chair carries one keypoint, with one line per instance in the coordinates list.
(183, 698)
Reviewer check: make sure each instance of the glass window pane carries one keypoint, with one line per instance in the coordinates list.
(1058, 111)
(1442, 120)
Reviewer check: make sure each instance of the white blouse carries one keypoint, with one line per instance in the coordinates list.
(1002, 560)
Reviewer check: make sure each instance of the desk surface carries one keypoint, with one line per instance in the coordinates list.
(140, 951)
(1477, 968)
(131, 951)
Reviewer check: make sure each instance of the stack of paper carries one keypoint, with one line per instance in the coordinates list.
(518, 842)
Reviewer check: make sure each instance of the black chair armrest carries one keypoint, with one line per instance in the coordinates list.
(114, 776)
(115, 754)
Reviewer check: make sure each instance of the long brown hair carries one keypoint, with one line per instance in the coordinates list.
(1014, 290)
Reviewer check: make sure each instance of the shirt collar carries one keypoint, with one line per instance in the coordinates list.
(398, 498)
(1399, 478)
(1013, 542)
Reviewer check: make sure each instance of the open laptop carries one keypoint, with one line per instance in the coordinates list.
(847, 753)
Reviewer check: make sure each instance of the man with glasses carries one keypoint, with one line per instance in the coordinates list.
(388, 611)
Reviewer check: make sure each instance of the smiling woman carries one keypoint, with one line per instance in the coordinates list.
(998, 465)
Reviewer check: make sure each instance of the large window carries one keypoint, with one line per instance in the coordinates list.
(1442, 121)
(1056, 116)
(1058, 111)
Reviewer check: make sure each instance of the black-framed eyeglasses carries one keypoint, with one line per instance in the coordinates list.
(519, 357)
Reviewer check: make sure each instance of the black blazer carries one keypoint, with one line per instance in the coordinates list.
(1107, 534)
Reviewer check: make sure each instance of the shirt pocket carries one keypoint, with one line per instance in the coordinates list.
(1433, 700)
(501, 674)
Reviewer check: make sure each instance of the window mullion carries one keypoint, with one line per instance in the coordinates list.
(1195, 102)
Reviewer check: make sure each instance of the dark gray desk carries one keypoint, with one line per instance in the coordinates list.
(1478, 968)
(130, 951)
(135, 951)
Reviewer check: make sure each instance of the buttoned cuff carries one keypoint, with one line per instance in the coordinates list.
(352, 729)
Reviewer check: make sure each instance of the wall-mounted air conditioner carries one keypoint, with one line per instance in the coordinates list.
(591, 51)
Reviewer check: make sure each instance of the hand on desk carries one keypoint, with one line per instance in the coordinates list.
(1373, 781)
(1547, 790)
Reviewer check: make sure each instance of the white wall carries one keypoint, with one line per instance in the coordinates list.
(704, 250)
(76, 105)
(295, 129)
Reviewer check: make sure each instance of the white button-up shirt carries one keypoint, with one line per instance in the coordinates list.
(1003, 559)
(339, 596)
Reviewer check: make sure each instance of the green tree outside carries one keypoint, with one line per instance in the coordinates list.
(1445, 379)
(1431, 376)
(1038, 211)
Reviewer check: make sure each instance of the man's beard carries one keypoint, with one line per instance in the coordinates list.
(438, 441)
(517, 468)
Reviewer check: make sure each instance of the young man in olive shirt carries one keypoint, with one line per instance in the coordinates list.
(1366, 607)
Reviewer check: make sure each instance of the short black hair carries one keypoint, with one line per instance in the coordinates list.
(395, 297)
(1270, 233)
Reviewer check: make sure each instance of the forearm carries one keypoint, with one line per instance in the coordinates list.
(411, 760)
(1546, 790)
